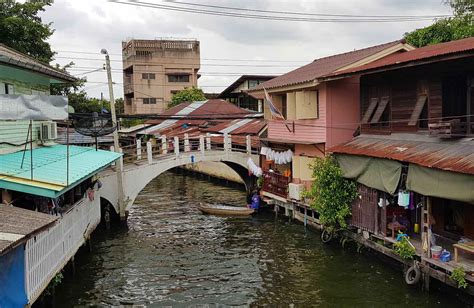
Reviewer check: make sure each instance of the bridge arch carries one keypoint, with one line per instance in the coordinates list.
(137, 175)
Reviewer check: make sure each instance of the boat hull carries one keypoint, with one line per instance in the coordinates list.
(224, 210)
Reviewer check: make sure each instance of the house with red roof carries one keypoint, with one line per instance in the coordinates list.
(318, 114)
(414, 157)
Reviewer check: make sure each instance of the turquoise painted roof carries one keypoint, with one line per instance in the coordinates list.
(50, 177)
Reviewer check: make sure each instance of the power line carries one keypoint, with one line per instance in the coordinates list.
(268, 17)
(303, 13)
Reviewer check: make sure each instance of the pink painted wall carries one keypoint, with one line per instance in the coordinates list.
(310, 130)
(342, 110)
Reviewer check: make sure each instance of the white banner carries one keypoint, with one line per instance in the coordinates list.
(33, 107)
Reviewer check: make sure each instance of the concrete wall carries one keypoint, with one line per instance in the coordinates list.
(162, 58)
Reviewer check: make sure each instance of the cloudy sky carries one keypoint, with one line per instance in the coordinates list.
(229, 46)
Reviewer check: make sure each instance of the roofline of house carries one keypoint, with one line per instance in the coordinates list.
(39, 67)
(240, 80)
(395, 66)
(374, 57)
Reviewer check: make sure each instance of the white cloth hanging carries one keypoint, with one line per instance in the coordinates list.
(254, 169)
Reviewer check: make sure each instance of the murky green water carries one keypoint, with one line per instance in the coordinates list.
(173, 255)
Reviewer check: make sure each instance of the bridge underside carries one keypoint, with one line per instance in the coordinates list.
(137, 175)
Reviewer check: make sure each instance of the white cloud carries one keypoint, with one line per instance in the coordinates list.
(89, 25)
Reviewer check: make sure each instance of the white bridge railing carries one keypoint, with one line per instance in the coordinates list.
(49, 251)
(169, 146)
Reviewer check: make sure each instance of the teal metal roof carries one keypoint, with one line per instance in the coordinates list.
(50, 176)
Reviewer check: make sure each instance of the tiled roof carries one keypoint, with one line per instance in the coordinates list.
(15, 58)
(457, 155)
(419, 54)
(323, 66)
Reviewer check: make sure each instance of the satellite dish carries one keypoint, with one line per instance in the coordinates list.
(94, 125)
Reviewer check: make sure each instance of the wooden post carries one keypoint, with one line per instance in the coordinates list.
(208, 141)
(149, 152)
(201, 144)
(248, 143)
(164, 145)
(139, 149)
(187, 148)
(176, 146)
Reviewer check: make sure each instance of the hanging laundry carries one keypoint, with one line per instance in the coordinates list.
(403, 198)
(253, 168)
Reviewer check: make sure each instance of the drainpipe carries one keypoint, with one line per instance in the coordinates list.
(120, 193)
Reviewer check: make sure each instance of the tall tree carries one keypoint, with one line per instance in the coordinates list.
(22, 29)
(187, 95)
(460, 26)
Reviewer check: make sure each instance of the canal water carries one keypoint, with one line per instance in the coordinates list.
(172, 255)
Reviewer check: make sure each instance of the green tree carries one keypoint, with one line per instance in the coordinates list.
(187, 95)
(331, 194)
(460, 26)
(22, 29)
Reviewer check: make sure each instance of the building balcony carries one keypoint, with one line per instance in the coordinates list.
(451, 129)
(276, 184)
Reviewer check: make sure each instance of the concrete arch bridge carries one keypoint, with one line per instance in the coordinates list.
(142, 165)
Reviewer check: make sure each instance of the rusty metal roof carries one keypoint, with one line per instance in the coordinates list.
(450, 155)
(435, 51)
(323, 66)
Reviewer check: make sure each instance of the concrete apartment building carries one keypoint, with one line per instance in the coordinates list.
(153, 70)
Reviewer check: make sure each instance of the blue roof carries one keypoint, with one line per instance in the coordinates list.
(50, 176)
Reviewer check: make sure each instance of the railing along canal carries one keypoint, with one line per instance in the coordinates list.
(48, 252)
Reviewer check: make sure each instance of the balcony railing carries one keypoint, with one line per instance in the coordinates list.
(449, 129)
(275, 183)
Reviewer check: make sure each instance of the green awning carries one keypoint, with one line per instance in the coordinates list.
(442, 184)
(51, 174)
(377, 173)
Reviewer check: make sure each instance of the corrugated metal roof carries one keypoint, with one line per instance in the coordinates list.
(451, 155)
(323, 66)
(18, 224)
(11, 56)
(49, 168)
(241, 80)
(419, 54)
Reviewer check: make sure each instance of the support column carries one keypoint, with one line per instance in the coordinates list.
(164, 145)
(139, 149)
(187, 148)
(248, 143)
(226, 142)
(201, 144)
(149, 152)
(176, 146)
(229, 145)
(208, 141)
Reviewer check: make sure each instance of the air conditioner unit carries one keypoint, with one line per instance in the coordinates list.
(295, 191)
(48, 131)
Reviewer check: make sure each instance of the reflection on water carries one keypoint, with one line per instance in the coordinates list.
(171, 254)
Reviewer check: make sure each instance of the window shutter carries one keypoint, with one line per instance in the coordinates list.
(420, 104)
(370, 110)
(380, 109)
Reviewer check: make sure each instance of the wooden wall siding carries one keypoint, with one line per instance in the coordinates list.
(435, 100)
(14, 133)
(304, 131)
(365, 209)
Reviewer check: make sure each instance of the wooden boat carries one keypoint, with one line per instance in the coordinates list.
(224, 210)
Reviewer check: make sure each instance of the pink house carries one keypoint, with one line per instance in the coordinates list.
(318, 115)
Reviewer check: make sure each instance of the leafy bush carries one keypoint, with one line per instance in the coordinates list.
(187, 95)
(404, 249)
(331, 194)
(458, 276)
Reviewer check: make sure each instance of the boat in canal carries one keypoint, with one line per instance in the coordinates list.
(225, 210)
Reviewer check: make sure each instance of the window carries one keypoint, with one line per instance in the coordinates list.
(283, 106)
(149, 100)
(148, 76)
(253, 83)
(178, 78)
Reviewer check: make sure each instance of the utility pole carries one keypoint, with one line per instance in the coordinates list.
(120, 194)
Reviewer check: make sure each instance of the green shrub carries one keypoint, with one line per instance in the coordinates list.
(458, 275)
(331, 194)
(404, 249)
